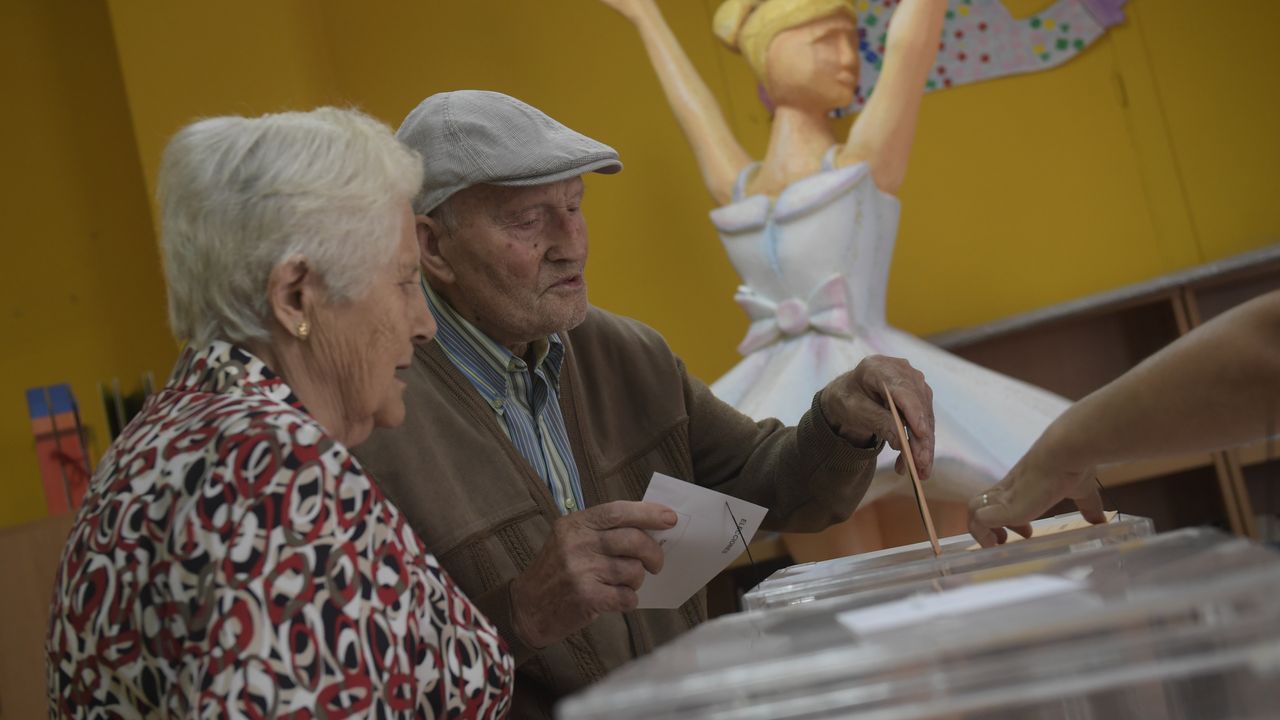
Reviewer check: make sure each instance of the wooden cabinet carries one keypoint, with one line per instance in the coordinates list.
(1077, 347)
(29, 556)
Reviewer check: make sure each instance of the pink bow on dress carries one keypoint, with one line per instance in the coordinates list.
(826, 311)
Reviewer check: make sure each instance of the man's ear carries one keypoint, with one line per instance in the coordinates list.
(431, 237)
(291, 292)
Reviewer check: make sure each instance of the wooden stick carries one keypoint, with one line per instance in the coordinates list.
(915, 476)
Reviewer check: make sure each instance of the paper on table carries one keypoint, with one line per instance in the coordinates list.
(921, 608)
(703, 542)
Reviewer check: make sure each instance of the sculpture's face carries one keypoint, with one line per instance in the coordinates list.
(815, 65)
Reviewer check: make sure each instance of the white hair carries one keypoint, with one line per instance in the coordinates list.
(240, 195)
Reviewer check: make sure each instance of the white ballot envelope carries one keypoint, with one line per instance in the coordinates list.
(711, 531)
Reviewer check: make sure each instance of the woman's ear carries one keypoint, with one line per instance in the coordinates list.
(291, 290)
(432, 236)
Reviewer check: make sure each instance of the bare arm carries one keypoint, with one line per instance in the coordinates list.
(719, 156)
(883, 132)
(1217, 386)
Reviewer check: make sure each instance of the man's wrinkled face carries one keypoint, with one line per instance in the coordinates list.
(517, 256)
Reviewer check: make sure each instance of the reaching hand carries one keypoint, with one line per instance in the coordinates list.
(855, 406)
(1033, 486)
(593, 563)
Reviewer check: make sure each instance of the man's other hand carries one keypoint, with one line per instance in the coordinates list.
(593, 563)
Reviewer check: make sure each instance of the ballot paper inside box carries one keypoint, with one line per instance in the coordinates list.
(1181, 625)
(832, 578)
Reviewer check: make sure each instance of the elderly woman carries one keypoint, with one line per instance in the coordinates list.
(232, 558)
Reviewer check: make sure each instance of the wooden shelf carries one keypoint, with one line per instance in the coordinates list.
(1259, 452)
(1247, 269)
(29, 556)
(1122, 474)
(1130, 472)
(1076, 347)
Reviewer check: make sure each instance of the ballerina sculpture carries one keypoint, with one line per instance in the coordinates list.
(810, 230)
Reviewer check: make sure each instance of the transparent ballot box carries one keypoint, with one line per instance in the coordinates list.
(832, 578)
(1174, 626)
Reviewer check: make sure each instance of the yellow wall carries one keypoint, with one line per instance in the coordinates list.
(182, 61)
(1153, 151)
(1214, 68)
(82, 299)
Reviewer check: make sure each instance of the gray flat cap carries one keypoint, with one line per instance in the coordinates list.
(469, 137)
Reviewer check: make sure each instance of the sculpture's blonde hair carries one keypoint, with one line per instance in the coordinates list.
(748, 26)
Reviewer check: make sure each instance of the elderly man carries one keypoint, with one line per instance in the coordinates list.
(535, 421)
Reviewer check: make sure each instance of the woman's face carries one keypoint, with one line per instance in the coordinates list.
(362, 343)
(814, 66)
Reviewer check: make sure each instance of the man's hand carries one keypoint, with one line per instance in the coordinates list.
(1039, 480)
(855, 405)
(593, 563)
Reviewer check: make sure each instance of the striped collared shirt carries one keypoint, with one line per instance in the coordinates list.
(526, 401)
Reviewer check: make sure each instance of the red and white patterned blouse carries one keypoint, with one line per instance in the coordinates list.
(232, 560)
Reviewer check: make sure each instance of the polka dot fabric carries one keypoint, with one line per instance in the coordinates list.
(981, 40)
(232, 560)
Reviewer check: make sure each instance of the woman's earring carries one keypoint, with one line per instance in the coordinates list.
(303, 330)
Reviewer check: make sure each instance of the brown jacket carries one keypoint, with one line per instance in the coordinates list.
(630, 410)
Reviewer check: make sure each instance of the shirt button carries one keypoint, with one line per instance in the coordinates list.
(570, 504)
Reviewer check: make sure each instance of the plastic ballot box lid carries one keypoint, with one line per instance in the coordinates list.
(831, 578)
(1179, 625)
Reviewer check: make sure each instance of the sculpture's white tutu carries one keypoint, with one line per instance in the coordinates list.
(815, 264)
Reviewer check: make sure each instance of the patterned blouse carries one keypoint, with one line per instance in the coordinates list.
(232, 560)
